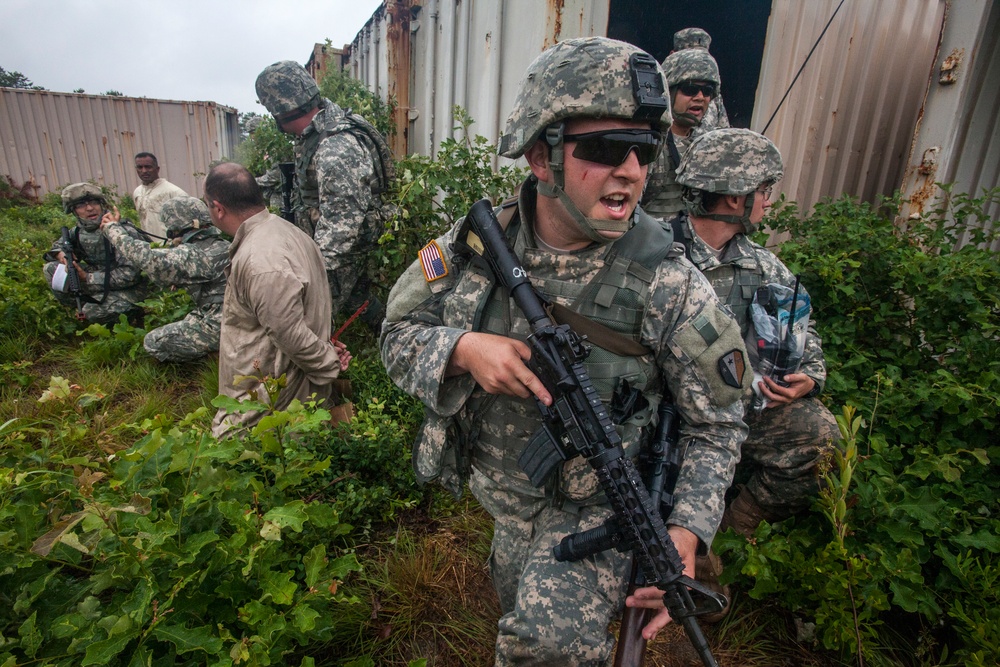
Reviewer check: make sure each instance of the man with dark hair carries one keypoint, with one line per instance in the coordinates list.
(276, 313)
(152, 193)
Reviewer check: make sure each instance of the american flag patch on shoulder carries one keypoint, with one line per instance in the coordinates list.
(432, 262)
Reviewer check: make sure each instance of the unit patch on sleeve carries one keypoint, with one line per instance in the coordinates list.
(732, 367)
(432, 262)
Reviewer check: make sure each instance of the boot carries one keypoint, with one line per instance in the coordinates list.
(706, 572)
(744, 514)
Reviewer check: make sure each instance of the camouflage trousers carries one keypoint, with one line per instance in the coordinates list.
(783, 452)
(189, 339)
(117, 302)
(553, 614)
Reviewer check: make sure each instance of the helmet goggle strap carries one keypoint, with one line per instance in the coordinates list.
(742, 220)
(591, 227)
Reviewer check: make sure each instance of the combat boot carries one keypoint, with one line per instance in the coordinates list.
(744, 514)
(706, 572)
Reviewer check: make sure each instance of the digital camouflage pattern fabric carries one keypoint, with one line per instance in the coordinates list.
(691, 38)
(285, 88)
(196, 262)
(731, 162)
(786, 443)
(339, 203)
(543, 621)
(114, 285)
(583, 77)
(691, 65)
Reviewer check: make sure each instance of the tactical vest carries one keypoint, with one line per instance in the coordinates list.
(208, 294)
(662, 198)
(307, 192)
(616, 297)
(734, 284)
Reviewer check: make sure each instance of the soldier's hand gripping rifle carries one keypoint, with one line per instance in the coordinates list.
(287, 170)
(72, 277)
(577, 423)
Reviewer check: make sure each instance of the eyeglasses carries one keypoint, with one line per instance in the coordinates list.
(692, 89)
(766, 190)
(611, 147)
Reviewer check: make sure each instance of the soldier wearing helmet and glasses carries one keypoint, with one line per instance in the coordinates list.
(589, 118)
(111, 284)
(727, 178)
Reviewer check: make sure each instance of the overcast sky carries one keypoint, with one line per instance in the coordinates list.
(177, 50)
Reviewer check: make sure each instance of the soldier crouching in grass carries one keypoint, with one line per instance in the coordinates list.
(107, 285)
(195, 260)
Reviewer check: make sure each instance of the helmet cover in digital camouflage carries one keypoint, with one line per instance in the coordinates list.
(253, 124)
(691, 38)
(591, 77)
(183, 213)
(78, 193)
(731, 161)
(286, 88)
(691, 65)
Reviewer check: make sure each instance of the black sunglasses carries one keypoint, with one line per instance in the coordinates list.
(611, 147)
(692, 89)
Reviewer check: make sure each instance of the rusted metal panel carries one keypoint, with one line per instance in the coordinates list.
(957, 140)
(847, 123)
(57, 138)
(464, 53)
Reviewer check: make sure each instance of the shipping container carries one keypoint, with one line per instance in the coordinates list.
(51, 139)
(861, 97)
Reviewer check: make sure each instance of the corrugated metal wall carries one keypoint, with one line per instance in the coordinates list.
(847, 125)
(59, 138)
(958, 139)
(465, 53)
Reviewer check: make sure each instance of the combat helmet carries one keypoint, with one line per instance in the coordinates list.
(287, 90)
(690, 65)
(691, 38)
(253, 124)
(77, 193)
(592, 77)
(731, 161)
(182, 214)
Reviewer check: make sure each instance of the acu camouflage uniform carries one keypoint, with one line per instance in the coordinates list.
(196, 263)
(695, 38)
(662, 197)
(342, 168)
(787, 442)
(114, 285)
(558, 613)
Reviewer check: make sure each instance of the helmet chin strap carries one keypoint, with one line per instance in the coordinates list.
(696, 208)
(87, 224)
(591, 227)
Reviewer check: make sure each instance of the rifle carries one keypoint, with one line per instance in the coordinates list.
(287, 185)
(72, 277)
(577, 423)
(661, 462)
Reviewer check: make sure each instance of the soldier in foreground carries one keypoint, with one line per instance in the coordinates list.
(342, 167)
(454, 340)
(195, 260)
(727, 176)
(693, 80)
(108, 284)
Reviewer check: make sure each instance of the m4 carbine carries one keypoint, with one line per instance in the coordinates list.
(577, 424)
(72, 277)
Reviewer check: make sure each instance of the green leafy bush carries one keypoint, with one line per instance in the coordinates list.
(182, 550)
(432, 193)
(910, 322)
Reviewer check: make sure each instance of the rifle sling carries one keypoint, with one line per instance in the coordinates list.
(598, 334)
